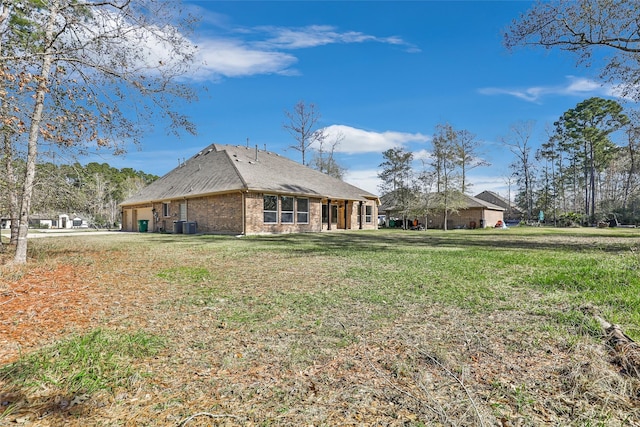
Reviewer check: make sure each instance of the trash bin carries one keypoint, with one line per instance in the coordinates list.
(189, 227)
(177, 227)
(143, 225)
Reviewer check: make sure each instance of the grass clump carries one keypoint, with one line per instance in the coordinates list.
(185, 274)
(100, 359)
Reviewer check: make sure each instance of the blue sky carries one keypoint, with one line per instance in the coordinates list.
(382, 73)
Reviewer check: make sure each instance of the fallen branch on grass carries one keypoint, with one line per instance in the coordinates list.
(626, 350)
(205, 414)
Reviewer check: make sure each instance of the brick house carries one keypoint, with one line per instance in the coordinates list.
(511, 212)
(475, 213)
(472, 212)
(226, 189)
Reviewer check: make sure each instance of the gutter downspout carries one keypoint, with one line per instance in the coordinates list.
(244, 211)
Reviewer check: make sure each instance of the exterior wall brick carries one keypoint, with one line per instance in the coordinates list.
(466, 218)
(224, 214)
(216, 214)
(255, 218)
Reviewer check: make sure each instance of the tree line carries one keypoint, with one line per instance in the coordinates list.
(92, 192)
(585, 171)
(580, 171)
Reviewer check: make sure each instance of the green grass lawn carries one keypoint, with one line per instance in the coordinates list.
(465, 327)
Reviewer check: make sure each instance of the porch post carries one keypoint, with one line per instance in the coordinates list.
(360, 213)
(328, 214)
(346, 215)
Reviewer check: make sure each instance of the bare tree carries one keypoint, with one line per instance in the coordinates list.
(518, 141)
(302, 125)
(324, 157)
(467, 151)
(87, 76)
(446, 163)
(584, 27)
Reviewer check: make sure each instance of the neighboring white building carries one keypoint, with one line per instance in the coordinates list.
(62, 221)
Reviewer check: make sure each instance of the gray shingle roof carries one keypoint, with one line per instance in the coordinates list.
(502, 202)
(389, 202)
(227, 168)
(474, 202)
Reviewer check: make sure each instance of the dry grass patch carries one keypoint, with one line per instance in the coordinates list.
(387, 328)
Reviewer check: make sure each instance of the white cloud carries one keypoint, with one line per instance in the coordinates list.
(579, 85)
(367, 179)
(574, 86)
(261, 50)
(532, 94)
(422, 155)
(498, 184)
(231, 58)
(319, 35)
(363, 141)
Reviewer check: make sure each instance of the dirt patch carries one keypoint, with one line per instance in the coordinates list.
(42, 306)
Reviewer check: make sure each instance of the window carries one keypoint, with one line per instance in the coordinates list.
(302, 211)
(286, 209)
(270, 209)
(368, 214)
(165, 209)
(334, 214)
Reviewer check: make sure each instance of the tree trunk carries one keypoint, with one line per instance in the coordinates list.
(630, 173)
(12, 189)
(32, 144)
(592, 184)
(10, 181)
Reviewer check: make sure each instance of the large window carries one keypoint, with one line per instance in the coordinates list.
(286, 209)
(302, 211)
(270, 209)
(334, 214)
(368, 215)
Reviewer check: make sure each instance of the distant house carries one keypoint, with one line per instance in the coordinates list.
(472, 213)
(230, 189)
(62, 221)
(511, 212)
